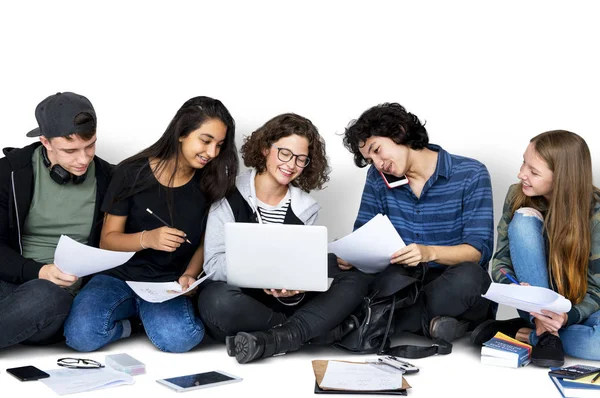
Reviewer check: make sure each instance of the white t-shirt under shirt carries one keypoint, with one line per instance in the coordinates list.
(274, 214)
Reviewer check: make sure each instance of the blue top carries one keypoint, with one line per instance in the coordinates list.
(455, 206)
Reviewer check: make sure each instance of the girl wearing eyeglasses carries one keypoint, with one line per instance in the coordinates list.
(287, 160)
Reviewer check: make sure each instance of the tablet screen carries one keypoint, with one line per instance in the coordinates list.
(199, 379)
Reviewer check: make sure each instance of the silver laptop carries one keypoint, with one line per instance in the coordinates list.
(277, 256)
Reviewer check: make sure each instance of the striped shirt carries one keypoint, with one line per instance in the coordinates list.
(455, 206)
(274, 214)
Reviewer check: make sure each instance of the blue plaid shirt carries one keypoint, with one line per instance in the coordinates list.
(455, 206)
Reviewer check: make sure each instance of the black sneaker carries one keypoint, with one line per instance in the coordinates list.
(548, 352)
(488, 329)
(447, 328)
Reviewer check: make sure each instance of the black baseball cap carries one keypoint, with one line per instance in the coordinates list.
(56, 116)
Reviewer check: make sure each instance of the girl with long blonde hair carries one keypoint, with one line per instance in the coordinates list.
(549, 236)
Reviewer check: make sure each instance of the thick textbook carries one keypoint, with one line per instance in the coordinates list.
(502, 350)
(572, 389)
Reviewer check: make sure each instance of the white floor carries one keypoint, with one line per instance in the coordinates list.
(457, 375)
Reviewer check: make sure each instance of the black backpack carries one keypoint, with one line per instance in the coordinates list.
(393, 289)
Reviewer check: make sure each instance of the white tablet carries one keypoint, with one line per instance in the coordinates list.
(199, 380)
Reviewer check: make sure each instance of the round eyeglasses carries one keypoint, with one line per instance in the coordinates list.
(79, 363)
(285, 155)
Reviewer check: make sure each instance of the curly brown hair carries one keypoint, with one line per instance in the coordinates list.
(315, 175)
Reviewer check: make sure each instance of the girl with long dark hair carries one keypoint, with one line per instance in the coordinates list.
(192, 165)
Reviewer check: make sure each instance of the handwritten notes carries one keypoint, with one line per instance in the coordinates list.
(157, 292)
(359, 377)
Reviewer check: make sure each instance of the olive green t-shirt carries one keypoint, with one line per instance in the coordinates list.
(57, 210)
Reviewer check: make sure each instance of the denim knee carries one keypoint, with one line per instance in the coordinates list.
(48, 299)
(89, 327)
(583, 340)
(525, 227)
(172, 326)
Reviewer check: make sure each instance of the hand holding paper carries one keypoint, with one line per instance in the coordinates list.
(75, 258)
(370, 247)
(527, 298)
(157, 292)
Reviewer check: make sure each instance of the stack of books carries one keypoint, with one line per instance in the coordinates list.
(585, 383)
(502, 350)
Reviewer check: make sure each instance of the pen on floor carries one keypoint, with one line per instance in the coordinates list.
(596, 377)
(165, 223)
(509, 276)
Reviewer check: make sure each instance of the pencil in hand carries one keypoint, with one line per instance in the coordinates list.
(164, 223)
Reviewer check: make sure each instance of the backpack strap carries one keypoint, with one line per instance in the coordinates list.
(439, 347)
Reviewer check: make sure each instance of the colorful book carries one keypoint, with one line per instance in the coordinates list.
(572, 389)
(501, 350)
(504, 337)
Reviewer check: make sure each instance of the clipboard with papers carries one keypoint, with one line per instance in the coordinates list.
(343, 377)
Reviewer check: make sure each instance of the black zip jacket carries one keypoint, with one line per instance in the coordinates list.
(16, 193)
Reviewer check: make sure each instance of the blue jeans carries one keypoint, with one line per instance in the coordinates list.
(101, 306)
(528, 254)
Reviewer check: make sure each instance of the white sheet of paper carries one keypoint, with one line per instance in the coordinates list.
(370, 247)
(70, 381)
(75, 258)
(527, 298)
(359, 377)
(157, 292)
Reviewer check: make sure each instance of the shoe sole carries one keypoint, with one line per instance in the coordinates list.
(230, 345)
(245, 347)
(548, 363)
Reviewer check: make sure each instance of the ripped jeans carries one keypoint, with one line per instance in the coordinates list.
(528, 253)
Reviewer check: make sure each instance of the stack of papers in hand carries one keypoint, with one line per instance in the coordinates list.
(502, 350)
(579, 388)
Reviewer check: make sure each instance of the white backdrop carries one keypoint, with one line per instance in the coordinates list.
(486, 77)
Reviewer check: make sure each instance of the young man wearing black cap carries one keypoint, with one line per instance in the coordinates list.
(47, 189)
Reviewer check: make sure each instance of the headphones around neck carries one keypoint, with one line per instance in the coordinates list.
(58, 173)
